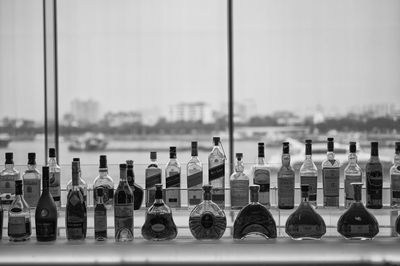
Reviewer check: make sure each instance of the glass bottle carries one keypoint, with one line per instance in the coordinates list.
(395, 179)
(374, 179)
(254, 219)
(136, 189)
(173, 180)
(261, 176)
(82, 183)
(31, 180)
(286, 180)
(1, 219)
(194, 177)
(357, 222)
(305, 222)
(239, 183)
(123, 208)
(352, 174)
(331, 177)
(19, 216)
(75, 210)
(153, 177)
(104, 181)
(309, 174)
(100, 216)
(8, 176)
(46, 212)
(216, 172)
(55, 172)
(159, 224)
(207, 220)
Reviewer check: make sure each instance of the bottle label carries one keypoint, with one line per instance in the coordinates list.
(207, 220)
(331, 177)
(374, 185)
(158, 227)
(124, 217)
(216, 172)
(75, 225)
(54, 185)
(7, 187)
(45, 228)
(158, 224)
(16, 225)
(239, 193)
(173, 179)
(153, 177)
(286, 190)
(32, 191)
(262, 178)
(395, 186)
(307, 228)
(312, 182)
(108, 196)
(359, 229)
(348, 188)
(100, 220)
(193, 180)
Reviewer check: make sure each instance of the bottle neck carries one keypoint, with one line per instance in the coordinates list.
(330, 155)
(103, 172)
(75, 179)
(52, 161)
(239, 167)
(130, 173)
(261, 160)
(286, 159)
(254, 197)
(31, 167)
(304, 196)
(308, 157)
(100, 200)
(352, 158)
(9, 166)
(122, 174)
(207, 195)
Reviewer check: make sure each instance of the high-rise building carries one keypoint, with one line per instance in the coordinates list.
(191, 112)
(85, 111)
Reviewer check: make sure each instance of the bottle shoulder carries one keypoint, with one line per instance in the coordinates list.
(395, 170)
(330, 163)
(238, 176)
(103, 180)
(308, 168)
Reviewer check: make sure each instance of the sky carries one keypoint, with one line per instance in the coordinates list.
(148, 54)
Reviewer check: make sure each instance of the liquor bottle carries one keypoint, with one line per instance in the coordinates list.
(55, 172)
(1, 219)
(309, 174)
(352, 174)
(19, 216)
(395, 179)
(374, 179)
(31, 180)
(173, 180)
(153, 177)
(357, 222)
(100, 216)
(46, 212)
(261, 176)
(305, 222)
(216, 173)
(8, 176)
(75, 210)
(82, 184)
(123, 208)
(137, 190)
(239, 183)
(286, 180)
(104, 181)
(254, 219)
(207, 220)
(194, 177)
(159, 224)
(331, 177)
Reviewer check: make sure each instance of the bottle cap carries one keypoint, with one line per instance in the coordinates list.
(129, 164)
(9, 158)
(76, 160)
(330, 144)
(216, 140)
(207, 188)
(352, 147)
(239, 156)
(374, 148)
(122, 166)
(31, 158)
(75, 167)
(261, 150)
(397, 147)
(103, 161)
(159, 194)
(52, 152)
(153, 155)
(18, 187)
(172, 152)
(308, 147)
(285, 147)
(99, 192)
(194, 148)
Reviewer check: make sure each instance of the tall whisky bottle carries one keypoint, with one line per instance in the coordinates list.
(173, 180)
(105, 182)
(8, 176)
(153, 177)
(261, 176)
(216, 173)
(331, 177)
(309, 174)
(194, 177)
(239, 183)
(137, 190)
(19, 216)
(286, 180)
(55, 171)
(31, 180)
(82, 183)
(373, 173)
(352, 174)
(395, 179)
(100, 216)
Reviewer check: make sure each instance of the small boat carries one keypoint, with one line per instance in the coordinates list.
(88, 142)
(5, 139)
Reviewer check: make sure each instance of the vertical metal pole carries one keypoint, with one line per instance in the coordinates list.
(230, 86)
(50, 76)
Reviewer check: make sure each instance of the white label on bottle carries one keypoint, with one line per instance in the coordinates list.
(359, 229)
(239, 193)
(16, 225)
(32, 191)
(100, 220)
(54, 185)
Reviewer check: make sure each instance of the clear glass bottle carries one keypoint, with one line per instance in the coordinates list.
(173, 180)
(19, 216)
(305, 222)
(216, 172)
(352, 174)
(153, 177)
(123, 208)
(374, 179)
(55, 175)
(309, 174)
(357, 222)
(194, 177)
(207, 220)
(254, 219)
(75, 210)
(82, 183)
(239, 183)
(100, 216)
(104, 181)
(395, 179)
(8, 176)
(159, 224)
(31, 180)
(261, 176)
(286, 176)
(137, 190)
(46, 212)
(331, 177)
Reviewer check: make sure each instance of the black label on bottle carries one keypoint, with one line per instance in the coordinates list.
(216, 172)
(264, 187)
(45, 229)
(195, 179)
(207, 220)
(173, 180)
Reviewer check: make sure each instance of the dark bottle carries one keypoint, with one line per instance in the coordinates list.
(357, 222)
(331, 176)
(19, 216)
(254, 219)
(75, 211)
(100, 216)
(286, 176)
(153, 177)
(159, 224)
(137, 190)
(374, 179)
(207, 220)
(305, 222)
(123, 208)
(46, 212)
(1, 219)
